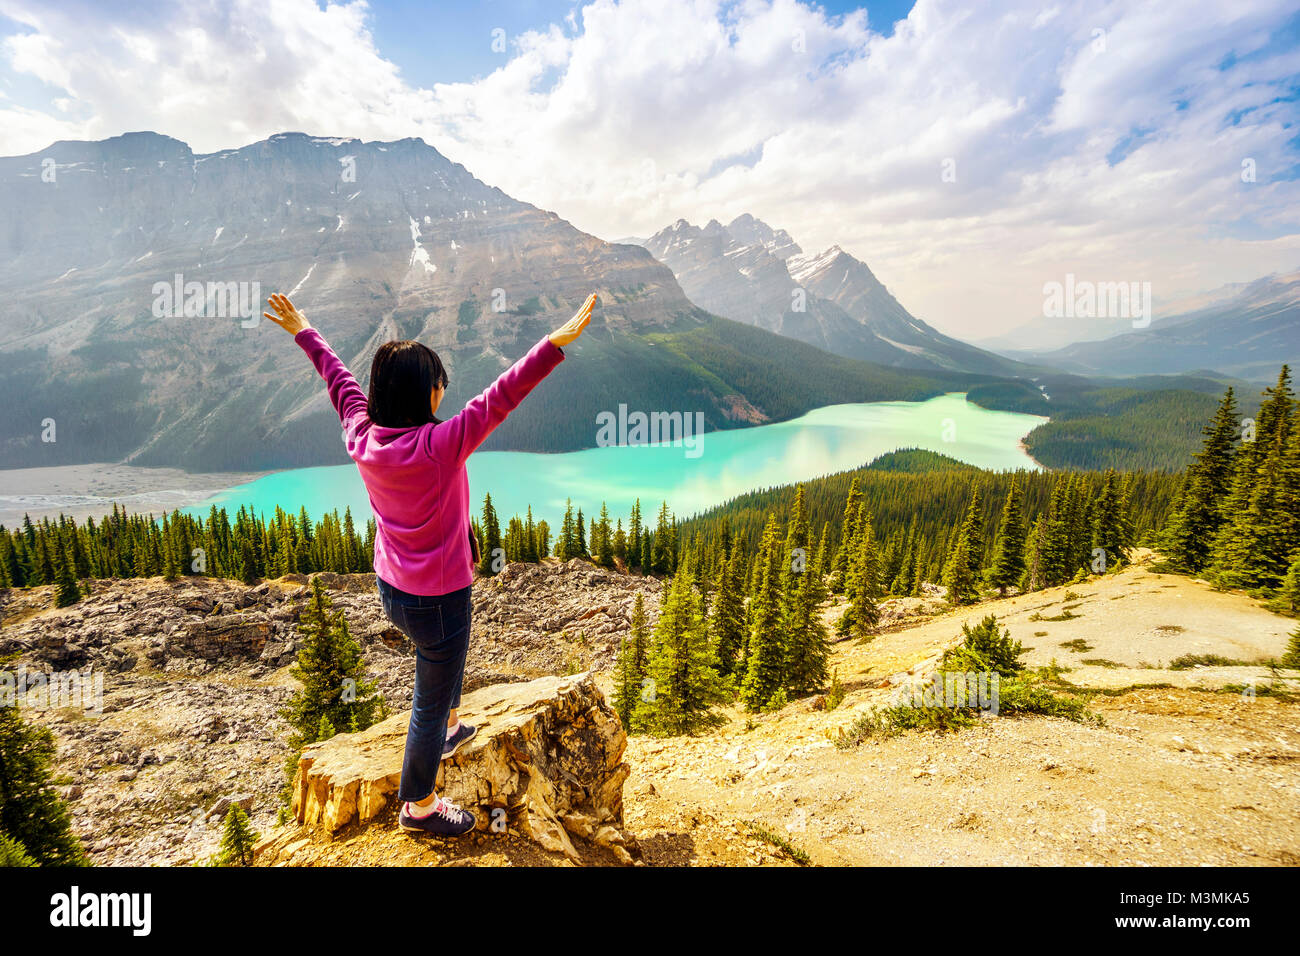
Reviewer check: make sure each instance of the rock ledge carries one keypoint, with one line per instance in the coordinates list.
(547, 762)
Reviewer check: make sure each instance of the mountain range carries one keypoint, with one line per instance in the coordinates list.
(1244, 330)
(107, 355)
(752, 273)
(133, 272)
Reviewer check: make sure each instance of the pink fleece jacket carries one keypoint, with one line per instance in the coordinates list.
(415, 476)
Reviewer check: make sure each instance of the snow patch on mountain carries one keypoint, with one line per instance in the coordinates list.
(419, 253)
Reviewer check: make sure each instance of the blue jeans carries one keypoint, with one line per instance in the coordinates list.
(439, 629)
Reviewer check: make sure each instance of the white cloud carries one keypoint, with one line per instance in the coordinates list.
(642, 111)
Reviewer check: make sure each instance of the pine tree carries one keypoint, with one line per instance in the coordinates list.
(863, 585)
(960, 574)
(1008, 565)
(907, 566)
(490, 542)
(1056, 562)
(45, 566)
(530, 552)
(1291, 659)
(795, 558)
(13, 569)
(603, 549)
(975, 535)
(765, 666)
(620, 543)
(238, 839)
(1291, 586)
(846, 554)
(727, 623)
(686, 687)
(1188, 538)
(630, 667)
(69, 593)
(1248, 552)
(808, 641)
(171, 571)
(634, 536)
(1110, 530)
(13, 854)
(31, 812)
(247, 563)
(1197, 515)
(325, 730)
(333, 676)
(566, 545)
(661, 557)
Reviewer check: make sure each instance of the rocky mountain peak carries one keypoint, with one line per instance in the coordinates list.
(749, 272)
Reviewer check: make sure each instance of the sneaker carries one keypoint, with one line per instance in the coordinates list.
(446, 819)
(464, 734)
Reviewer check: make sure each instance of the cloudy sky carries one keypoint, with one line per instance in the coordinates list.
(969, 152)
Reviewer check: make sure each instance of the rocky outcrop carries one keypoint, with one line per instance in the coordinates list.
(196, 684)
(547, 763)
(531, 619)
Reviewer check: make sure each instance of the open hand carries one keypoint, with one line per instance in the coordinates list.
(573, 328)
(286, 316)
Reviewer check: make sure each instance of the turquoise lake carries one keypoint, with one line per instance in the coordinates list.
(722, 464)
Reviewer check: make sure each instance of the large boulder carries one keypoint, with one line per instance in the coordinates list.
(223, 636)
(547, 762)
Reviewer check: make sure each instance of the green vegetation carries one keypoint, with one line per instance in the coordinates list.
(1291, 658)
(1188, 661)
(122, 546)
(685, 685)
(985, 650)
(886, 722)
(781, 843)
(34, 822)
(1035, 695)
(835, 693)
(488, 536)
(1065, 615)
(13, 854)
(237, 839)
(334, 693)
(1121, 428)
(1236, 518)
(916, 518)
(631, 666)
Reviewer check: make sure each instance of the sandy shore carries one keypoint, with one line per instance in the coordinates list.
(81, 491)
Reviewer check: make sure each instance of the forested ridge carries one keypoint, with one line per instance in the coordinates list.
(1147, 422)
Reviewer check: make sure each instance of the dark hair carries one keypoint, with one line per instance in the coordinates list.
(401, 378)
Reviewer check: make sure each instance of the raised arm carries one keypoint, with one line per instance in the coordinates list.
(345, 394)
(457, 438)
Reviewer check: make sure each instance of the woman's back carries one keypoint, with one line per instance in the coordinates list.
(415, 476)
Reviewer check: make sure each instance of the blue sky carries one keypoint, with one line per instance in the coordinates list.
(1106, 140)
(453, 43)
(429, 42)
